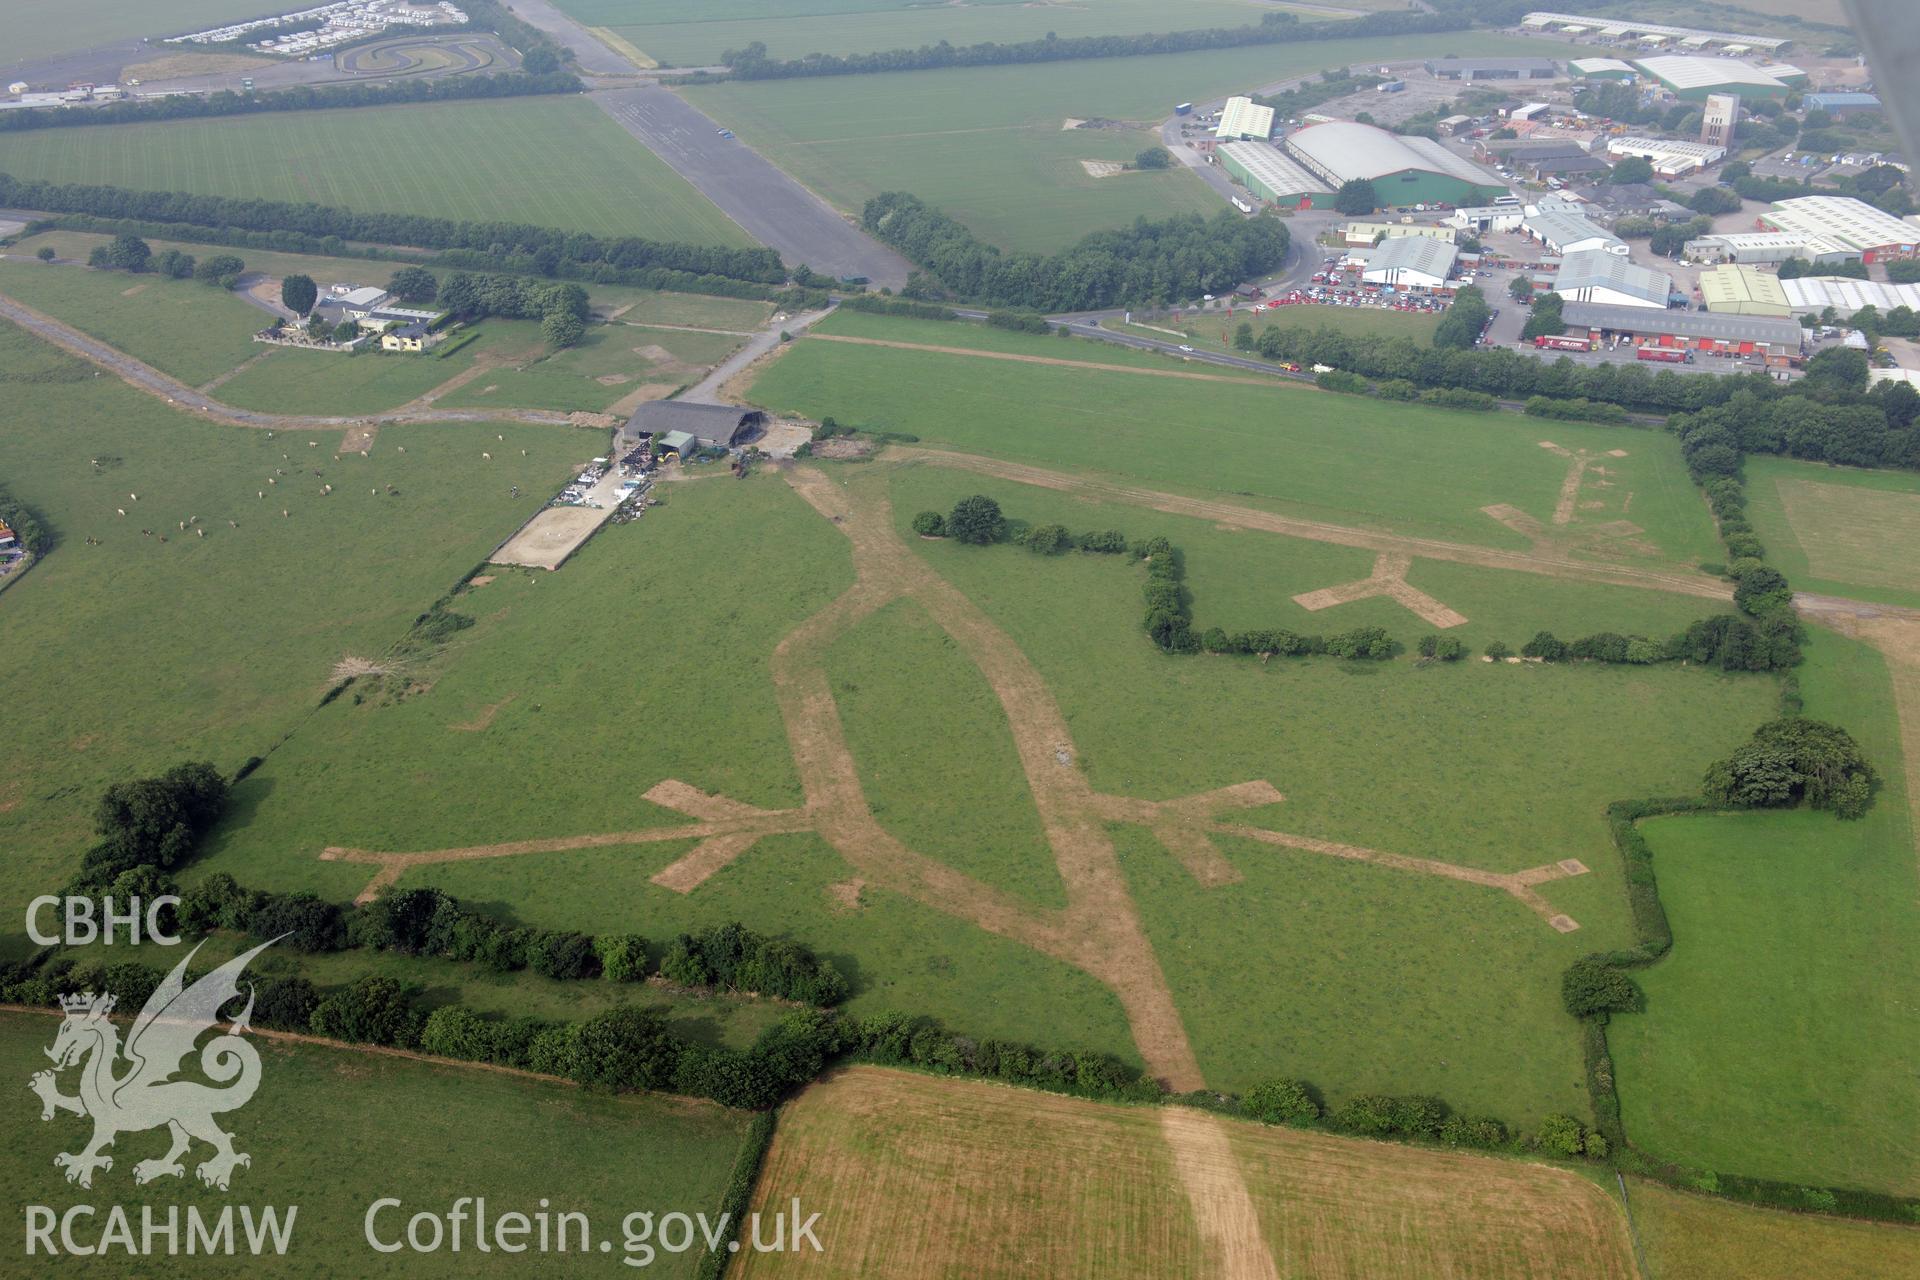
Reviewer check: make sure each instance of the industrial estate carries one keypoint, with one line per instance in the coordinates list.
(856, 638)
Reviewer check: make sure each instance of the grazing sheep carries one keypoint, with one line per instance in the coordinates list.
(487, 456)
(121, 510)
(201, 532)
(234, 524)
(285, 512)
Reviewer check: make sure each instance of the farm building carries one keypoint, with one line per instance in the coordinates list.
(1767, 248)
(1493, 68)
(1403, 170)
(1574, 24)
(1774, 339)
(1410, 262)
(1243, 118)
(1601, 69)
(1694, 79)
(715, 426)
(1731, 289)
(1594, 275)
(1842, 104)
(406, 337)
(1876, 235)
(1670, 158)
(1846, 295)
(1271, 175)
(1563, 231)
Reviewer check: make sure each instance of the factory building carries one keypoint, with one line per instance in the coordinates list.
(1243, 118)
(1694, 79)
(1270, 175)
(1403, 170)
(1877, 236)
(1732, 289)
(1594, 275)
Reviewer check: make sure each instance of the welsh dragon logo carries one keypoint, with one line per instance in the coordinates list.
(131, 1088)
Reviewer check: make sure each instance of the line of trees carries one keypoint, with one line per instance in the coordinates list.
(1150, 261)
(752, 62)
(32, 534)
(299, 98)
(547, 250)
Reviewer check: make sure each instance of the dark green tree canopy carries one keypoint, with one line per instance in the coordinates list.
(977, 520)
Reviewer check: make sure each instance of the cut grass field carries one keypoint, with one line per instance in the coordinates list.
(1409, 468)
(1838, 530)
(611, 362)
(1772, 1044)
(1003, 1183)
(332, 1130)
(1689, 1237)
(1214, 330)
(40, 28)
(674, 35)
(552, 162)
(210, 647)
(987, 146)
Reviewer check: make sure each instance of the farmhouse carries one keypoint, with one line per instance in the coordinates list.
(1875, 234)
(1410, 262)
(406, 337)
(1595, 275)
(714, 426)
(1270, 175)
(1743, 291)
(1243, 118)
(1776, 340)
(1403, 170)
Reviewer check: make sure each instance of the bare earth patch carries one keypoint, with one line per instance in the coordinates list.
(484, 718)
(1102, 168)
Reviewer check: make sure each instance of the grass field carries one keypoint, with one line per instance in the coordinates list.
(1409, 468)
(333, 1130)
(553, 162)
(209, 647)
(1362, 1005)
(987, 145)
(40, 28)
(1839, 530)
(193, 331)
(1213, 330)
(682, 36)
(1688, 1237)
(1005, 1183)
(1772, 1045)
(611, 362)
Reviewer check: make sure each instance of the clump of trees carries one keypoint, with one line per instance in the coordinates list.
(153, 822)
(298, 293)
(1356, 198)
(1545, 318)
(1592, 986)
(1443, 648)
(1460, 327)
(1794, 760)
(122, 253)
(1178, 257)
(976, 521)
(1153, 158)
(734, 957)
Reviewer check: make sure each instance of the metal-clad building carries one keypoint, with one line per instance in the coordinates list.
(1411, 262)
(1777, 340)
(1731, 289)
(1594, 275)
(1270, 175)
(1693, 78)
(1602, 69)
(1874, 233)
(1455, 68)
(1404, 170)
(1243, 118)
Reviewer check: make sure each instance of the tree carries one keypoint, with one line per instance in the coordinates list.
(1048, 539)
(298, 293)
(346, 331)
(540, 60)
(44, 253)
(218, 269)
(1563, 1136)
(1464, 321)
(1153, 158)
(1280, 1102)
(1714, 201)
(562, 329)
(930, 524)
(1545, 318)
(623, 956)
(414, 285)
(1591, 986)
(1356, 198)
(1498, 650)
(1520, 289)
(128, 253)
(1794, 759)
(1734, 170)
(372, 1010)
(977, 521)
(625, 1048)
(1631, 169)
(156, 821)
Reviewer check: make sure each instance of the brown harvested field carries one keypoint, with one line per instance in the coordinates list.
(1688, 1237)
(1855, 534)
(918, 1176)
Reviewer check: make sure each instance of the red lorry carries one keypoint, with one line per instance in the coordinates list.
(1665, 355)
(1561, 342)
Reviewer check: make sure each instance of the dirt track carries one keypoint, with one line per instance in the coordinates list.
(1320, 531)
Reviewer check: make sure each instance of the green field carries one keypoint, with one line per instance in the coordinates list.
(611, 362)
(1773, 1045)
(693, 35)
(552, 162)
(210, 647)
(987, 144)
(39, 28)
(1839, 530)
(1214, 330)
(333, 1130)
(193, 331)
(1409, 468)
(1688, 1237)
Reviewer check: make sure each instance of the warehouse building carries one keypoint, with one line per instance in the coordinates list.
(1693, 78)
(1270, 175)
(1403, 170)
(1876, 235)
(1767, 248)
(1594, 275)
(1574, 24)
(1842, 104)
(1670, 157)
(1601, 69)
(1410, 262)
(1243, 118)
(1814, 294)
(1769, 337)
(1451, 68)
(1367, 233)
(1563, 230)
(1732, 289)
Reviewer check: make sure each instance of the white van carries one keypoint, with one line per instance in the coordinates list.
(1508, 199)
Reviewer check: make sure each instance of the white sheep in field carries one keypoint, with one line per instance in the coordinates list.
(120, 510)
(285, 512)
(235, 524)
(401, 447)
(487, 456)
(201, 532)
(183, 526)
(133, 497)
(262, 493)
(499, 437)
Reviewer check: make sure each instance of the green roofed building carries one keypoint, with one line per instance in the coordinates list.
(1403, 170)
(1695, 79)
(1270, 175)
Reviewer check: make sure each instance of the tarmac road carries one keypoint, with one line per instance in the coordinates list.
(771, 206)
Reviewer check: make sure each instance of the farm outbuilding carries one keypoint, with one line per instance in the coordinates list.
(1403, 170)
(715, 426)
